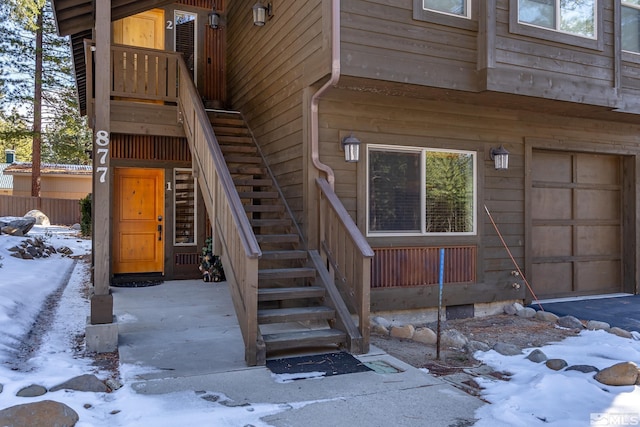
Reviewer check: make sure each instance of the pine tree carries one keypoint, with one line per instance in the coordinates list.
(48, 99)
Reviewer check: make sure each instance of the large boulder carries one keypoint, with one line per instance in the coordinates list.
(43, 414)
(41, 218)
(16, 226)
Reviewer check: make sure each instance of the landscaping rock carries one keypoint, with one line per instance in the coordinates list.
(546, 316)
(41, 218)
(526, 312)
(473, 346)
(379, 320)
(556, 364)
(597, 325)
(42, 414)
(405, 331)
(510, 309)
(33, 390)
(624, 373)
(16, 226)
(85, 382)
(425, 336)
(570, 322)
(620, 332)
(453, 338)
(585, 369)
(1, 387)
(507, 349)
(537, 356)
(380, 330)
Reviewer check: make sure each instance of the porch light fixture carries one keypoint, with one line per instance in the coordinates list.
(501, 158)
(214, 18)
(261, 13)
(351, 146)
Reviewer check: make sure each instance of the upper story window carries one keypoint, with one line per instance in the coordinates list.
(577, 17)
(631, 25)
(451, 7)
(420, 191)
(453, 13)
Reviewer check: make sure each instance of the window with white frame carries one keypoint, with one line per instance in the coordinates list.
(576, 17)
(449, 7)
(420, 191)
(631, 25)
(184, 193)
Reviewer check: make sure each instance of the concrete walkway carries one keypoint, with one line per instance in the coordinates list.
(187, 335)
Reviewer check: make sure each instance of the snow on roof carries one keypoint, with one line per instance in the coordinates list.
(49, 169)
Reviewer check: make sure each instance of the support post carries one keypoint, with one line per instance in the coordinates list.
(101, 323)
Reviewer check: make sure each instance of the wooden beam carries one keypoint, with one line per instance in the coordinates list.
(101, 161)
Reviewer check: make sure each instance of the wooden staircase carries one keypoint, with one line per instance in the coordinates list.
(292, 302)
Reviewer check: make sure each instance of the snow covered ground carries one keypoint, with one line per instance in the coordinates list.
(535, 395)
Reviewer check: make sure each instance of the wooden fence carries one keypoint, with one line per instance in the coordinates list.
(59, 211)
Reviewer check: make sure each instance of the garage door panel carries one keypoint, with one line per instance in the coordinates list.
(598, 240)
(552, 167)
(597, 169)
(551, 203)
(553, 279)
(598, 204)
(598, 276)
(548, 241)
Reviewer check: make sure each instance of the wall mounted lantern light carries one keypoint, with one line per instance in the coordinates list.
(262, 12)
(501, 158)
(214, 18)
(351, 146)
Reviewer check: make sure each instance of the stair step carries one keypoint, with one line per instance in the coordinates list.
(239, 130)
(238, 149)
(286, 273)
(281, 255)
(284, 222)
(278, 294)
(295, 314)
(252, 160)
(258, 195)
(228, 139)
(247, 170)
(277, 238)
(253, 182)
(315, 337)
(263, 208)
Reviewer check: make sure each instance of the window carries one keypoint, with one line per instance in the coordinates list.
(577, 17)
(450, 7)
(631, 25)
(418, 191)
(184, 194)
(453, 13)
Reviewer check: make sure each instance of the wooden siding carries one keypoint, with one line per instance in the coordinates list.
(268, 69)
(59, 211)
(382, 40)
(389, 120)
(146, 147)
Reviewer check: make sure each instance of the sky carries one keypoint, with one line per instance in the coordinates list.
(534, 396)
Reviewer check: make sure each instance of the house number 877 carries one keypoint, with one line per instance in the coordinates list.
(102, 141)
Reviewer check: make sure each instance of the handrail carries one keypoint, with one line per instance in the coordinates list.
(348, 255)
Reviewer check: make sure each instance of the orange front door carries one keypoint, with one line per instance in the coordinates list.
(138, 240)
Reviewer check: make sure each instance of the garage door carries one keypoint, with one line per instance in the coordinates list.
(576, 224)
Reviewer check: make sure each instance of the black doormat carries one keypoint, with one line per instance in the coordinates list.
(137, 284)
(329, 364)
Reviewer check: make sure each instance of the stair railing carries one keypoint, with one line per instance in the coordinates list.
(348, 256)
(233, 236)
